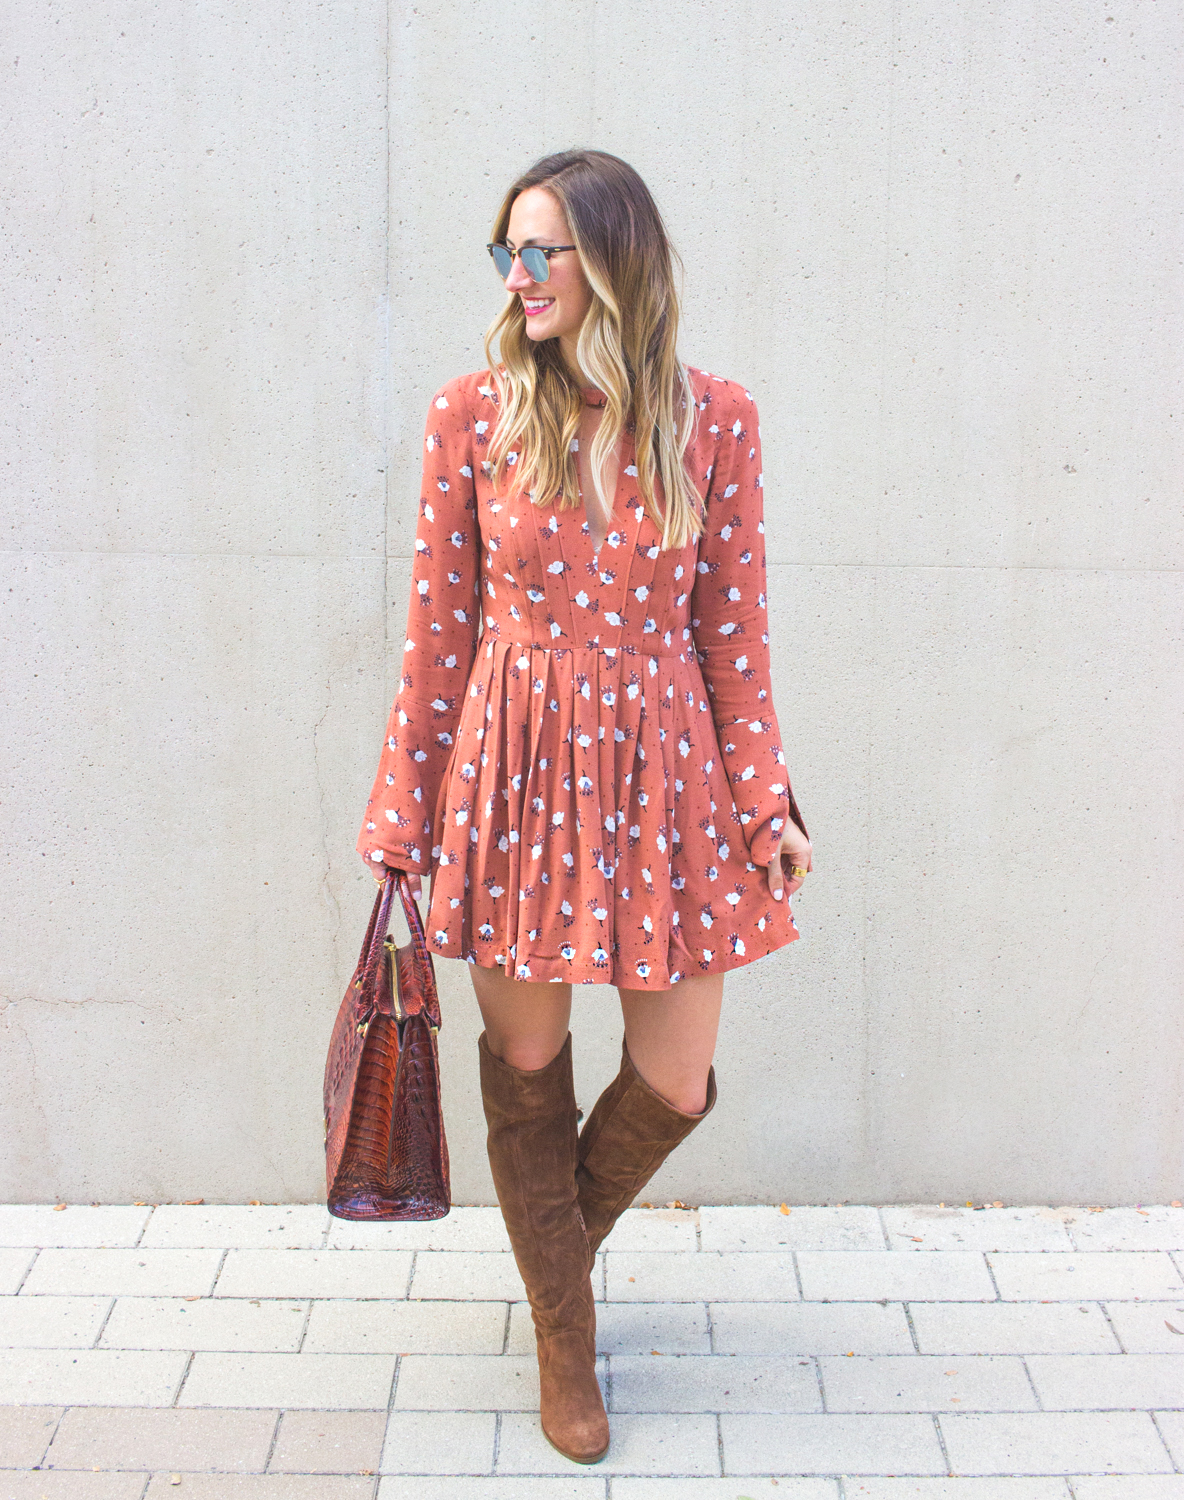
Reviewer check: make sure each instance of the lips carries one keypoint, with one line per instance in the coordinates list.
(534, 306)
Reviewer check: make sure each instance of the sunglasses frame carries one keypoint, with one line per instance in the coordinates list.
(546, 251)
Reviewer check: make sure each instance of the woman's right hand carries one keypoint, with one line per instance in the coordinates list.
(378, 871)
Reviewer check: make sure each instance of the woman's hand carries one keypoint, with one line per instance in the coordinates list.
(379, 873)
(795, 850)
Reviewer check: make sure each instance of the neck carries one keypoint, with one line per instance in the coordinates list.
(567, 347)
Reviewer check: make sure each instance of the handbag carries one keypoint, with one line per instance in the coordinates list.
(386, 1156)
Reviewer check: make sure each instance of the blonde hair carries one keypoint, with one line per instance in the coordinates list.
(627, 347)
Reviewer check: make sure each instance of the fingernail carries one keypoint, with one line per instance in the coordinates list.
(776, 895)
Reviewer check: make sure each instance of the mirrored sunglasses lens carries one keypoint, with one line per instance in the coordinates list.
(536, 264)
(503, 260)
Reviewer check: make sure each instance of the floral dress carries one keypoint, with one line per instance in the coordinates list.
(595, 779)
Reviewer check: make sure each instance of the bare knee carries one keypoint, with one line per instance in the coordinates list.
(526, 1023)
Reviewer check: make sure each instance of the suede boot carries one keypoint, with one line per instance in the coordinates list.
(531, 1115)
(629, 1134)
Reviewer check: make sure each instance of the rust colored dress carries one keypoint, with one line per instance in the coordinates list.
(595, 782)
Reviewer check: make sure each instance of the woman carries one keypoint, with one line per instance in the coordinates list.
(596, 782)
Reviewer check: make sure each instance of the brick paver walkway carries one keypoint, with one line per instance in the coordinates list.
(844, 1353)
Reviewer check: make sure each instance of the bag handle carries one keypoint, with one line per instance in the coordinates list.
(372, 947)
(422, 954)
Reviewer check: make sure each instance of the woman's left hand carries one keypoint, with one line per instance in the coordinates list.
(795, 850)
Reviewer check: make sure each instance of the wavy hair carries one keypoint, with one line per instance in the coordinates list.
(627, 347)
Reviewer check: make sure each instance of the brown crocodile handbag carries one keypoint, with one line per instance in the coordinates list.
(385, 1152)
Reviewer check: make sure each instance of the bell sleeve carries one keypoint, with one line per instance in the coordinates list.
(730, 626)
(443, 620)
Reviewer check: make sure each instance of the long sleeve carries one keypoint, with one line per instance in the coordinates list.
(729, 621)
(443, 620)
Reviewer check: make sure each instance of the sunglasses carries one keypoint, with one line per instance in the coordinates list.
(534, 258)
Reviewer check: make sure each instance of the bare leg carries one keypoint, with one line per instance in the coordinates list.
(526, 1021)
(671, 1036)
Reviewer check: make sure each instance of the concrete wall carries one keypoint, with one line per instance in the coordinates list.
(939, 241)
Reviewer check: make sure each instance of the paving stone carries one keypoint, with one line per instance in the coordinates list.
(912, 1382)
(314, 1273)
(439, 1442)
(25, 1432)
(226, 1324)
(91, 1377)
(714, 1382)
(1149, 1228)
(284, 1226)
(42, 1486)
(42, 1226)
(467, 1382)
(478, 1228)
(1012, 1328)
(1143, 1327)
(654, 1229)
(1128, 1487)
(629, 1328)
(123, 1273)
(706, 1277)
(872, 1275)
(805, 1228)
(1115, 1382)
(328, 1442)
(725, 1489)
(1098, 1276)
(467, 1276)
(261, 1487)
(1171, 1426)
(51, 1322)
(830, 1444)
(135, 1438)
(928, 1227)
(396, 1327)
(641, 1444)
(809, 1328)
(1054, 1443)
(14, 1265)
(805, 1328)
(489, 1487)
(329, 1382)
(957, 1489)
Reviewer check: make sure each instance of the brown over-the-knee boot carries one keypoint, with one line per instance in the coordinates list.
(629, 1134)
(531, 1116)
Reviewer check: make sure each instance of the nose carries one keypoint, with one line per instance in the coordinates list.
(519, 279)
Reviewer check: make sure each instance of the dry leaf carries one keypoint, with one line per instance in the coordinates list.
(633, 1278)
(784, 1208)
(655, 1351)
(1172, 1329)
(140, 1203)
(850, 1353)
(191, 1203)
(256, 1203)
(996, 1205)
(645, 1205)
(1176, 1203)
(917, 1239)
(193, 1299)
(58, 1207)
(174, 1479)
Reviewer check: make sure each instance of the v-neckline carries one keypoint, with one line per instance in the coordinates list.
(592, 390)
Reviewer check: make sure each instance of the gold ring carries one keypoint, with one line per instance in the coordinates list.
(796, 872)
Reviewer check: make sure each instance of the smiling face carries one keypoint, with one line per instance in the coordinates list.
(554, 308)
